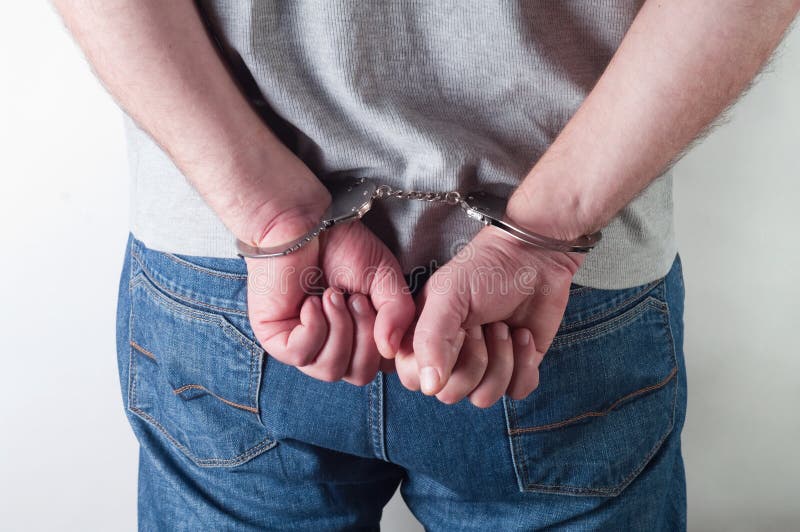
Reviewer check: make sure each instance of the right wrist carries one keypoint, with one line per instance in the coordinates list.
(292, 203)
(274, 229)
(262, 191)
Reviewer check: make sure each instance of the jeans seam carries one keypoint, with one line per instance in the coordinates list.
(142, 350)
(647, 288)
(151, 276)
(263, 446)
(608, 326)
(579, 289)
(209, 271)
(672, 341)
(510, 413)
(199, 315)
(599, 413)
(178, 391)
(131, 364)
(614, 490)
(376, 420)
(520, 461)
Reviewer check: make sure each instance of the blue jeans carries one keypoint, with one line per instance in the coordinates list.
(231, 439)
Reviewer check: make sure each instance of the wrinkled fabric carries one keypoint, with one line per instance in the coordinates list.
(232, 439)
(432, 96)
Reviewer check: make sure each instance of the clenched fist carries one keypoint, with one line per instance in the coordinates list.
(332, 307)
(486, 318)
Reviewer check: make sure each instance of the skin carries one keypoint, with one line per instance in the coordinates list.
(679, 66)
(158, 62)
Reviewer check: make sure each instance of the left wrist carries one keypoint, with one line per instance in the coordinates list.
(552, 208)
(527, 254)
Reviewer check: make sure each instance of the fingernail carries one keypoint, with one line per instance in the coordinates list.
(501, 331)
(394, 340)
(337, 299)
(476, 333)
(524, 337)
(429, 380)
(359, 305)
(391, 345)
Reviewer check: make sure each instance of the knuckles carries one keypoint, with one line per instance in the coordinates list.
(295, 358)
(355, 249)
(482, 402)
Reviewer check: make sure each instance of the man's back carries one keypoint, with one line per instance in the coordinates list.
(431, 96)
(264, 397)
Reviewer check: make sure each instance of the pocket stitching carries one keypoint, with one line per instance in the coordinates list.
(604, 491)
(598, 413)
(150, 275)
(142, 350)
(579, 290)
(647, 288)
(212, 319)
(207, 317)
(608, 326)
(209, 271)
(263, 446)
(185, 387)
(181, 389)
(255, 450)
(521, 461)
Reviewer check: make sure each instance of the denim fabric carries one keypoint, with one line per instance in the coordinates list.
(231, 439)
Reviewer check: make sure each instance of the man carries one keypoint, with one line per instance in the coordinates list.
(574, 110)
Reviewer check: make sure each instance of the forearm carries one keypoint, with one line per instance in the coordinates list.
(158, 62)
(679, 66)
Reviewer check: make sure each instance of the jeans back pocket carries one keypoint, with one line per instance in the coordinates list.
(194, 376)
(607, 396)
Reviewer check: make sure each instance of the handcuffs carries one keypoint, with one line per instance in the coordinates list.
(351, 201)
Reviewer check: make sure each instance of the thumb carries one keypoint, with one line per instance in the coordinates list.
(438, 336)
(395, 307)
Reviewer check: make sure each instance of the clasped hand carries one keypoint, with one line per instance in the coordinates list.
(339, 309)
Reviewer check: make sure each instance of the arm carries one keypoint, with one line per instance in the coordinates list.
(681, 63)
(157, 60)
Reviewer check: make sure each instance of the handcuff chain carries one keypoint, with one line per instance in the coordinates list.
(484, 209)
(450, 198)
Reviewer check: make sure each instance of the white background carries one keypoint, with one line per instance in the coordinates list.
(67, 456)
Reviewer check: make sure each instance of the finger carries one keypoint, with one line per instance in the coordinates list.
(501, 364)
(371, 269)
(438, 337)
(392, 300)
(469, 369)
(334, 357)
(366, 360)
(525, 378)
(295, 342)
(548, 308)
(406, 364)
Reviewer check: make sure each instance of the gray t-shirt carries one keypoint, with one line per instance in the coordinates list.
(440, 95)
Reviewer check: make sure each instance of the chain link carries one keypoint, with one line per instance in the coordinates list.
(453, 197)
(450, 198)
